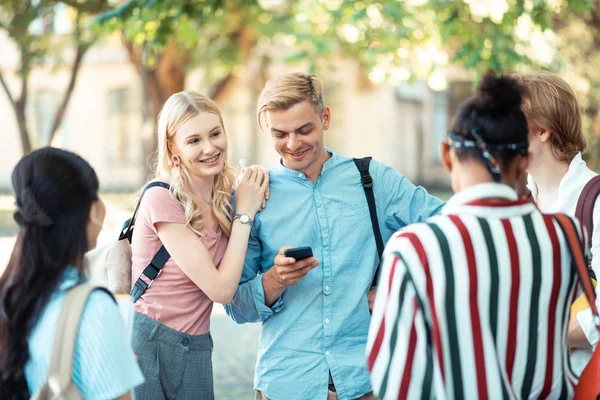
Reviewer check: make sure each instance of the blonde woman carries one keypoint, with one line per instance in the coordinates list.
(206, 243)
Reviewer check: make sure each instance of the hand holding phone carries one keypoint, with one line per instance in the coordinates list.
(299, 253)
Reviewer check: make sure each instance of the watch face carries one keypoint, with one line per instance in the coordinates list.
(244, 219)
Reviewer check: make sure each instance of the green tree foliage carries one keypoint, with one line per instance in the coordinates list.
(383, 35)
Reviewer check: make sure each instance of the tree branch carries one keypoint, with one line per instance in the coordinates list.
(82, 48)
(6, 89)
(246, 42)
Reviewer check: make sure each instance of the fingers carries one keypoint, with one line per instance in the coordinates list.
(247, 174)
(265, 181)
(282, 249)
(293, 276)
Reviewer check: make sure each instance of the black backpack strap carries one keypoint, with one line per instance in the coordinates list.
(584, 211)
(159, 260)
(127, 229)
(363, 167)
(152, 271)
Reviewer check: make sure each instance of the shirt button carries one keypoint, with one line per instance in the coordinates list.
(300, 175)
(185, 341)
(326, 320)
(326, 289)
(326, 353)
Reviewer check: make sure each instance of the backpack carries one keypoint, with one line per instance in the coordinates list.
(367, 182)
(110, 265)
(585, 205)
(584, 212)
(59, 380)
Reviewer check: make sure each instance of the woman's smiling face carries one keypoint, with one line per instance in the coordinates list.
(201, 144)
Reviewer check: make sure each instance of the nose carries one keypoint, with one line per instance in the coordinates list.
(208, 148)
(293, 143)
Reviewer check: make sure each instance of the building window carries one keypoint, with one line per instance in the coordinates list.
(439, 123)
(333, 98)
(120, 135)
(41, 111)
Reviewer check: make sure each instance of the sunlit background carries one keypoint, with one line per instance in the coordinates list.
(91, 76)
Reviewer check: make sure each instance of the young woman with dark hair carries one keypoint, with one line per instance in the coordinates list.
(60, 216)
(476, 301)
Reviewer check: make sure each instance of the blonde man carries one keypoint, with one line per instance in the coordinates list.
(558, 174)
(315, 312)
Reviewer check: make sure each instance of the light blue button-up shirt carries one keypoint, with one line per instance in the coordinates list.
(320, 324)
(104, 366)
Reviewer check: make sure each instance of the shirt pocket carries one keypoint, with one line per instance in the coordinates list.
(353, 209)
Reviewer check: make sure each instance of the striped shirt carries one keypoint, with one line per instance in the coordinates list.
(475, 304)
(104, 366)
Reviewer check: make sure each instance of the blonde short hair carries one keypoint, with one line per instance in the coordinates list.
(285, 91)
(551, 104)
(177, 110)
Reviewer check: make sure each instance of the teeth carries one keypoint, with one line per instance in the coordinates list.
(211, 160)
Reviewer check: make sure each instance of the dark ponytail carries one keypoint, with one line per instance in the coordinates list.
(54, 191)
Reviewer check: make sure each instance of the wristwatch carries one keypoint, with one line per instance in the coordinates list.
(244, 219)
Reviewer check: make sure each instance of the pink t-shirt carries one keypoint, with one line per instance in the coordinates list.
(173, 299)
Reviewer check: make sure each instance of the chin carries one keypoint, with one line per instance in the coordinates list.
(209, 172)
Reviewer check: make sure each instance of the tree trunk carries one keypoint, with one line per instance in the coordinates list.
(19, 109)
(23, 132)
(60, 112)
(158, 83)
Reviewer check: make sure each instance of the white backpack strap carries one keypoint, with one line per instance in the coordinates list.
(60, 369)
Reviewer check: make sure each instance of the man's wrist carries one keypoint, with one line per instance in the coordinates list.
(272, 283)
(271, 288)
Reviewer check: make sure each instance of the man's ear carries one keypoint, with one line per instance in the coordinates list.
(326, 118)
(445, 153)
(542, 134)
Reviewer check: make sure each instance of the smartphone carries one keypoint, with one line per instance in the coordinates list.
(299, 253)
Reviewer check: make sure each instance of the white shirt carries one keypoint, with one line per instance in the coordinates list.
(569, 190)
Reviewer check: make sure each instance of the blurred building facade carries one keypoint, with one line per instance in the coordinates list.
(401, 126)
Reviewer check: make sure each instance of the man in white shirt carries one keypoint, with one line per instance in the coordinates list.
(558, 174)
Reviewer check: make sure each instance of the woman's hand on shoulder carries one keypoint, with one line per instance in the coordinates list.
(252, 190)
(264, 169)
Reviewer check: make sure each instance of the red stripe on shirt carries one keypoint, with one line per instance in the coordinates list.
(498, 203)
(556, 268)
(381, 332)
(474, 307)
(410, 357)
(437, 340)
(511, 346)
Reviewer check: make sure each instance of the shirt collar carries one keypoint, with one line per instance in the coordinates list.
(576, 167)
(329, 164)
(71, 277)
(472, 200)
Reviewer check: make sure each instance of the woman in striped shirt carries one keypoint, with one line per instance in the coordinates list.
(475, 303)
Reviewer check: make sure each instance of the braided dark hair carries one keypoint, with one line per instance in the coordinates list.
(54, 191)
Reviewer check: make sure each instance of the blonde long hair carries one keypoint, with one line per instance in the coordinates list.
(178, 109)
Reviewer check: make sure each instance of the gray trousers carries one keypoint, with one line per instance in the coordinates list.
(175, 365)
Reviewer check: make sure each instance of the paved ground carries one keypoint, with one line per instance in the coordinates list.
(234, 357)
